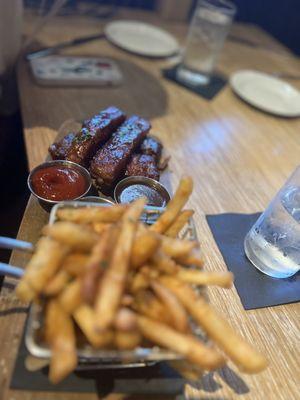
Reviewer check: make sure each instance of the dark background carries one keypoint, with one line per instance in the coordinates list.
(281, 18)
(13, 175)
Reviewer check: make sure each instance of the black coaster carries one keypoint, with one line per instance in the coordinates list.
(209, 91)
(256, 290)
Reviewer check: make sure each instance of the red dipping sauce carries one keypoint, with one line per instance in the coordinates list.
(58, 183)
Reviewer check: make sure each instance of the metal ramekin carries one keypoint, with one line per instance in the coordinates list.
(46, 203)
(142, 180)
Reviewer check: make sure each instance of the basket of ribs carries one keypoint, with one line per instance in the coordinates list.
(112, 146)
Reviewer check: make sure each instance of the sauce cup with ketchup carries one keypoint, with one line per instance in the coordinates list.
(59, 180)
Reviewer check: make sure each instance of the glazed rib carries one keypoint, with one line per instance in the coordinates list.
(59, 150)
(110, 161)
(93, 133)
(143, 165)
(152, 147)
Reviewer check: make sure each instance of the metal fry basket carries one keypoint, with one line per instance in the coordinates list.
(90, 358)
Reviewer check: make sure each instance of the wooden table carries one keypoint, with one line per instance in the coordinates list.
(237, 156)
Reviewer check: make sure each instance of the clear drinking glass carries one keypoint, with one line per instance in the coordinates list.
(273, 243)
(209, 27)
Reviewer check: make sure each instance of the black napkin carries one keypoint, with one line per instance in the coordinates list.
(208, 91)
(255, 289)
(159, 378)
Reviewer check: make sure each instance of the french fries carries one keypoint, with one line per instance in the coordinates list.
(123, 284)
(100, 227)
(139, 282)
(57, 283)
(98, 262)
(86, 215)
(71, 297)
(177, 312)
(127, 340)
(61, 337)
(145, 244)
(125, 320)
(222, 279)
(176, 248)
(74, 263)
(76, 236)
(195, 351)
(85, 318)
(146, 303)
(248, 359)
(182, 218)
(194, 258)
(43, 265)
(174, 206)
(113, 282)
(25, 292)
(164, 263)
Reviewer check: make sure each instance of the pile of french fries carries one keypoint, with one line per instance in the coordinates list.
(125, 284)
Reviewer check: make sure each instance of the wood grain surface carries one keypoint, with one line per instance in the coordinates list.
(237, 156)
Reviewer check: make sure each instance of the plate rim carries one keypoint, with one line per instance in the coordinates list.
(268, 110)
(145, 53)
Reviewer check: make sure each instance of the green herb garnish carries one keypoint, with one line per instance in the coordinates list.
(103, 264)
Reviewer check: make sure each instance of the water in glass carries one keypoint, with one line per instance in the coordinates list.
(209, 27)
(207, 33)
(273, 243)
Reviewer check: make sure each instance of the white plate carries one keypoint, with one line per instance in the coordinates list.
(140, 38)
(267, 93)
